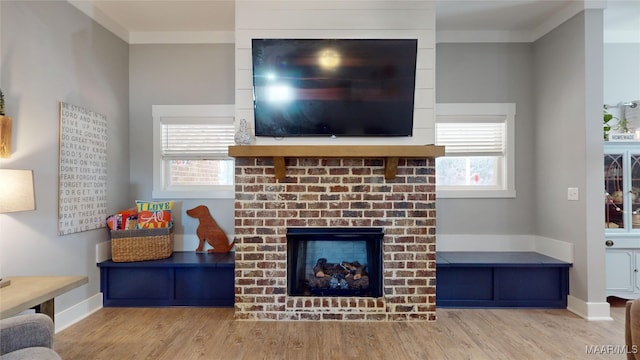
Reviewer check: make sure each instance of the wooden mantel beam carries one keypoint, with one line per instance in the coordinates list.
(391, 153)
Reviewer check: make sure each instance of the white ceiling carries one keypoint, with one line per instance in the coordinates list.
(177, 21)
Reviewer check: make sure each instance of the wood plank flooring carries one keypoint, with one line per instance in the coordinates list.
(212, 333)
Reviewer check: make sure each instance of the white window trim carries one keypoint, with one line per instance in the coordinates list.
(184, 111)
(480, 109)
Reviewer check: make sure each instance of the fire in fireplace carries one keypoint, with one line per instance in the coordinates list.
(334, 261)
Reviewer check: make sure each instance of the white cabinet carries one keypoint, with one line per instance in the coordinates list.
(622, 218)
(622, 272)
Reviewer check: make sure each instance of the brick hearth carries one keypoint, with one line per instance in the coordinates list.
(335, 192)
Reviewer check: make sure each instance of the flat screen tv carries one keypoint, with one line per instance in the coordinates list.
(334, 87)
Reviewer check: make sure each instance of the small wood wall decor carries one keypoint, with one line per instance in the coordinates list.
(5, 130)
(5, 136)
(82, 184)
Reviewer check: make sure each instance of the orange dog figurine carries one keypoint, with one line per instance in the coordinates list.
(209, 231)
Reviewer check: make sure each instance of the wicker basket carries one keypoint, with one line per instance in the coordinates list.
(143, 244)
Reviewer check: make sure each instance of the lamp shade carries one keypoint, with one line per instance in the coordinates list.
(16, 191)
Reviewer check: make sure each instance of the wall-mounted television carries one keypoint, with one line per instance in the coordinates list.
(334, 87)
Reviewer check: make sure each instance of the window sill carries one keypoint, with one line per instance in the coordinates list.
(200, 194)
(475, 194)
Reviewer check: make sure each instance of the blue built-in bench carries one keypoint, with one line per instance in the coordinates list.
(184, 279)
(501, 279)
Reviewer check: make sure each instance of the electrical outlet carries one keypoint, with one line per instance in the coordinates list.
(573, 194)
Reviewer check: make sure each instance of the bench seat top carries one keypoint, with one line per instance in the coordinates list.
(181, 259)
(496, 259)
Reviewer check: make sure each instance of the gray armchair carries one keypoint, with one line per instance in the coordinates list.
(27, 337)
(632, 329)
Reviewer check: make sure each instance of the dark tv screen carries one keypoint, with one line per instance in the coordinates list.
(334, 87)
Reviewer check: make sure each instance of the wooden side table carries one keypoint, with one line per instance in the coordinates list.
(35, 292)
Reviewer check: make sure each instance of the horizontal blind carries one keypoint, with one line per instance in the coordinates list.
(481, 138)
(197, 140)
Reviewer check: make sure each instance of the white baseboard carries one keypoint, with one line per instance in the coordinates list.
(560, 250)
(103, 251)
(589, 310)
(484, 242)
(78, 312)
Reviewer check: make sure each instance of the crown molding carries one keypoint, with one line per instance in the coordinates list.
(482, 36)
(182, 37)
(155, 37)
(228, 37)
(572, 9)
(98, 16)
(566, 13)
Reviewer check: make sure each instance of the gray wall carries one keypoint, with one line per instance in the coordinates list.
(51, 52)
(491, 73)
(568, 97)
(176, 75)
(621, 73)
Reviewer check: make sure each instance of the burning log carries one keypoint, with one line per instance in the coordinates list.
(318, 270)
(344, 275)
(354, 268)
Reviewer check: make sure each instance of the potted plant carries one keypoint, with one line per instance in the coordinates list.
(621, 127)
(607, 127)
(5, 130)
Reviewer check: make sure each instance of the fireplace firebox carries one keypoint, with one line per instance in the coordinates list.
(334, 261)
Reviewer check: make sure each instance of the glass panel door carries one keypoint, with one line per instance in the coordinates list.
(614, 190)
(634, 191)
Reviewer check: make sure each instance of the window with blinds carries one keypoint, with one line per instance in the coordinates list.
(478, 142)
(471, 138)
(196, 140)
(191, 151)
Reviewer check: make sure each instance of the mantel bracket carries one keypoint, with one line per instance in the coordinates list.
(391, 168)
(279, 167)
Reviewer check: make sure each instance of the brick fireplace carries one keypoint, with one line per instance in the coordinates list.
(334, 192)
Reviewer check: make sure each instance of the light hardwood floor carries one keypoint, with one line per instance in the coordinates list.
(210, 333)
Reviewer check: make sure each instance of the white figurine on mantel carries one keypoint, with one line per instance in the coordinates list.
(243, 133)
